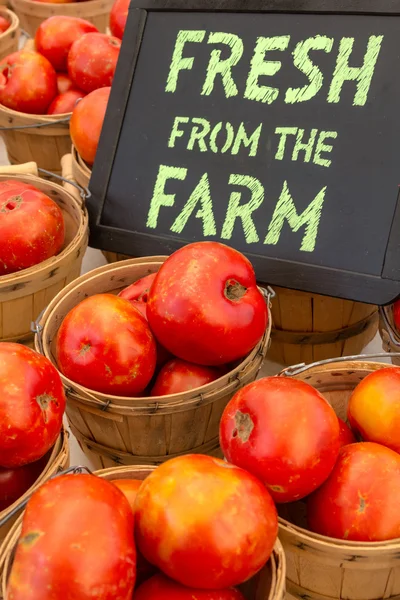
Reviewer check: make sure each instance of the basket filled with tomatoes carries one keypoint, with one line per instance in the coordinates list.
(191, 528)
(325, 440)
(151, 350)
(70, 59)
(43, 237)
(389, 328)
(9, 32)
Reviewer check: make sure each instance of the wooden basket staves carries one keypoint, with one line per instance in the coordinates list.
(389, 334)
(9, 40)
(154, 428)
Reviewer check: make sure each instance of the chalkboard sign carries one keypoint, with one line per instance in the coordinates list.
(270, 126)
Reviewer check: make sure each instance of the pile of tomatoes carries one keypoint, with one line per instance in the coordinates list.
(170, 332)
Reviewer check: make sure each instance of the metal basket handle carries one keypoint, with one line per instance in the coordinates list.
(302, 367)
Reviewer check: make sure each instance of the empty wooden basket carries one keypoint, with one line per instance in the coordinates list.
(9, 40)
(309, 327)
(319, 567)
(389, 333)
(152, 428)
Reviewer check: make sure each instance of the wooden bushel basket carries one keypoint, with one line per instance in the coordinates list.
(32, 14)
(268, 584)
(9, 40)
(154, 427)
(389, 334)
(322, 568)
(24, 294)
(309, 327)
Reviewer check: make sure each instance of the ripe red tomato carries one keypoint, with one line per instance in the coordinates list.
(139, 290)
(65, 103)
(55, 36)
(374, 408)
(15, 482)
(284, 432)
(92, 61)
(205, 523)
(204, 305)
(118, 17)
(346, 436)
(359, 500)
(180, 376)
(160, 586)
(4, 24)
(32, 405)
(31, 227)
(87, 121)
(396, 314)
(106, 345)
(91, 518)
(28, 82)
(64, 83)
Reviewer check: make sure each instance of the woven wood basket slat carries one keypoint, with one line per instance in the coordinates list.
(9, 40)
(268, 584)
(319, 567)
(389, 334)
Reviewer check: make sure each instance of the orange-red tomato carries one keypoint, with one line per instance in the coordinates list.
(180, 376)
(360, 499)
(139, 290)
(118, 17)
(129, 487)
(32, 405)
(346, 436)
(160, 587)
(31, 227)
(87, 121)
(65, 103)
(106, 345)
(92, 60)
(92, 519)
(4, 24)
(374, 408)
(284, 432)
(205, 523)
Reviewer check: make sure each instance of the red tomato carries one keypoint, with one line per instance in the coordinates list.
(205, 523)
(374, 408)
(55, 36)
(106, 345)
(92, 61)
(396, 314)
(139, 290)
(32, 404)
(359, 501)
(204, 305)
(118, 17)
(65, 103)
(180, 376)
(15, 482)
(160, 587)
(346, 436)
(31, 227)
(87, 121)
(64, 83)
(28, 83)
(129, 487)
(91, 518)
(4, 24)
(284, 432)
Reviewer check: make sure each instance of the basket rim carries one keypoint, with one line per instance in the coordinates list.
(79, 162)
(93, 3)
(14, 22)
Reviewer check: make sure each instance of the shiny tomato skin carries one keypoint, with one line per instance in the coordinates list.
(374, 408)
(28, 83)
(396, 314)
(161, 587)
(204, 305)
(87, 122)
(139, 290)
(32, 405)
(65, 103)
(346, 436)
(31, 227)
(55, 36)
(106, 345)
(118, 17)
(64, 83)
(91, 518)
(205, 523)
(92, 61)
(4, 24)
(15, 482)
(284, 432)
(180, 376)
(359, 500)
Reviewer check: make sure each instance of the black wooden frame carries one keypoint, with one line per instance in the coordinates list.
(322, 280)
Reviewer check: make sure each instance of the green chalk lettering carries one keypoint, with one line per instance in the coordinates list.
(244, 211)
(286, 209)
(247, 140)
(176, 132)
(321, 147)
(178, 63)
(200, 195)
(217, 66)
(283, 132)
(259, 67)
(302, 61)
(160, 198)
(362, 75)
(230, 134)
(198, 134)
(306, 147)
